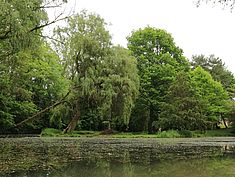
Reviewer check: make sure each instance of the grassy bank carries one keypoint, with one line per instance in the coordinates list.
(50, 132)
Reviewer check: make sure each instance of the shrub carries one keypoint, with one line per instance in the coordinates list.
(51, 132)
(169, 134)
(186, 133)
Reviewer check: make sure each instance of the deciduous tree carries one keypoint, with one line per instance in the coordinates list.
(101, 81)
(158, 61)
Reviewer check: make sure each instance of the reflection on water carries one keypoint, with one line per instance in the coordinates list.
(68, 157)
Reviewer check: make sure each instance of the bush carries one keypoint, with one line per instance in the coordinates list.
(51, 132)
(186, 133)
(169, 134)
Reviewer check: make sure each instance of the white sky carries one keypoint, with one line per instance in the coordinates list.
(206, 29)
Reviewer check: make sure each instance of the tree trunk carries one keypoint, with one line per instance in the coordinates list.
(222, 117)
(151, 119)
(73, 123)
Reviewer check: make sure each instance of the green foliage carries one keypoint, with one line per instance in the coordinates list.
(214, 133)
(104, 79)
(158, 61)
(154, 46)
(34, 83)
(15, 98)
(30, 72)
(168, 134)
(218, 71)
(149, 87)
(186, 133)
(18, 20)
(230, 114)
(182, 110)
(195, 101)
(210, 93)
(86, 44)
(51, 132)
(121, 75)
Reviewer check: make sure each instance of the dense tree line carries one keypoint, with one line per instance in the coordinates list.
(80, 80)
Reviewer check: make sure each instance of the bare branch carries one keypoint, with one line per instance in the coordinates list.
(51, 38)
(50, 6)
(48, 23)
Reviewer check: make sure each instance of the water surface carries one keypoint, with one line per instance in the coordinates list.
(97, 157)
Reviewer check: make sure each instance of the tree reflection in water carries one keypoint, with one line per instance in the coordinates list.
(67, 157)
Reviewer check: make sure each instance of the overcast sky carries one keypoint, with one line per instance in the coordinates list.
(206, 29)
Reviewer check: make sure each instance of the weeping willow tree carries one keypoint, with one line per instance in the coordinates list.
(99, 73)
(121, 76)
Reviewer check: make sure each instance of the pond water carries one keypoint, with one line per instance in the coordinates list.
(97, 157)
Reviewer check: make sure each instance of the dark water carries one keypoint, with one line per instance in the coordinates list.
(71, 157)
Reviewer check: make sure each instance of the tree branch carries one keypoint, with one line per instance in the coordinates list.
(51, 38)
(48, 23)
(50, 6)
(42, 111)
(5, 35)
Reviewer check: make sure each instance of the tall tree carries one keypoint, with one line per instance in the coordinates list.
(195, 101)
(120, 71)
(25, 60)
(98, 73)
(158, 60)
(85, 44)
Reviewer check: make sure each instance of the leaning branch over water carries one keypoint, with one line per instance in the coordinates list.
(44, 110)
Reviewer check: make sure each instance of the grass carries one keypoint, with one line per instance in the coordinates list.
(50, 132)
(215, 133)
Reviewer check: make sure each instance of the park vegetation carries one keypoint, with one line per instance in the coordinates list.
(78, 80)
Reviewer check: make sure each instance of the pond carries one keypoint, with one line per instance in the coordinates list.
(97, 157)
